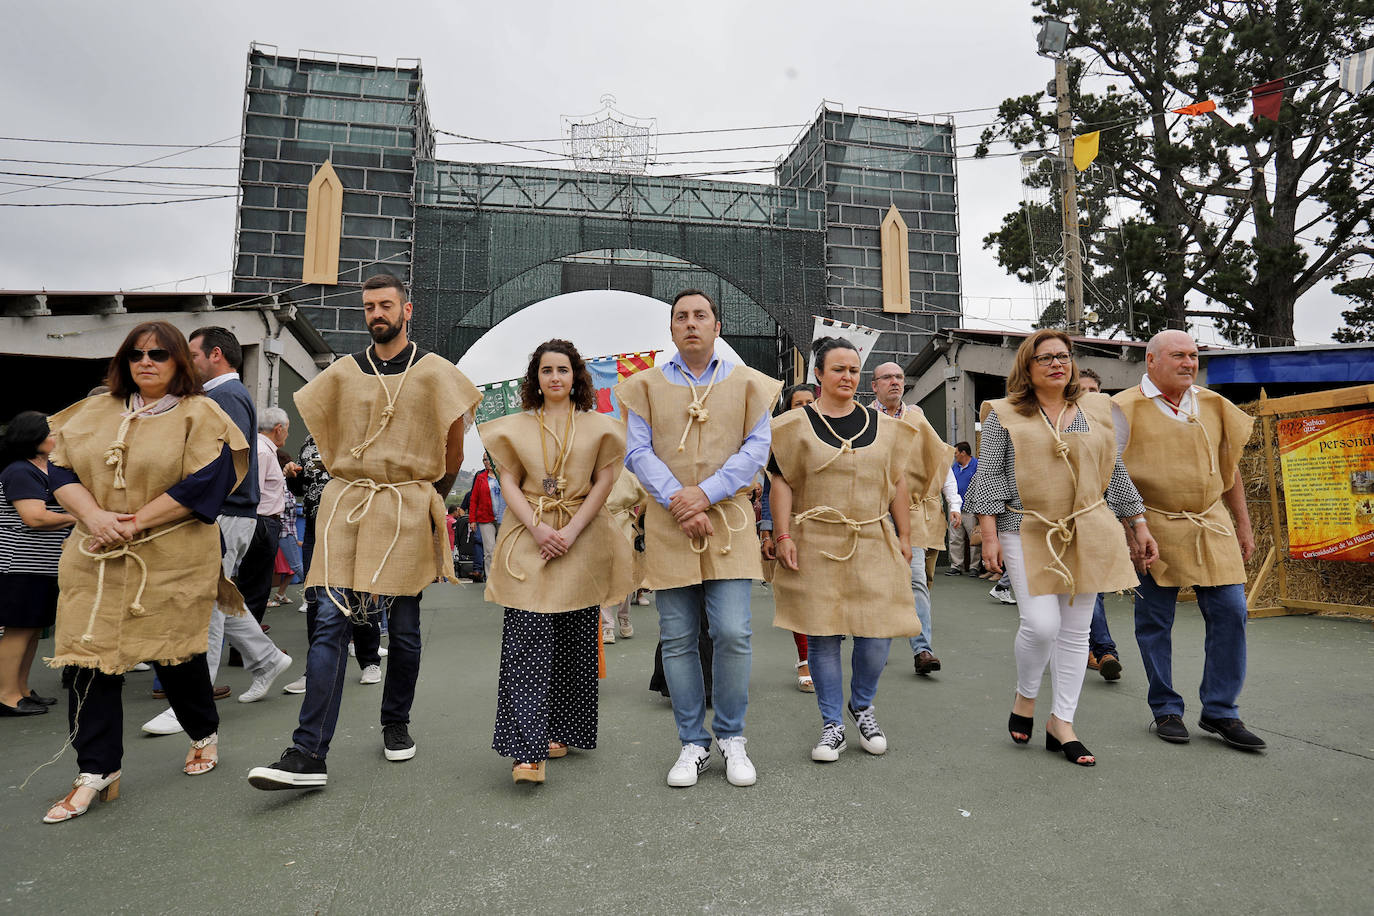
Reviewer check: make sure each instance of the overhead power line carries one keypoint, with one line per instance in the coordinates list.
(132, 203)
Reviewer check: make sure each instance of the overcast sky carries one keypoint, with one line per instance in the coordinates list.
(173, 72)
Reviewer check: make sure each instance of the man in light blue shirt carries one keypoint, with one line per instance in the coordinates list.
(697, 434)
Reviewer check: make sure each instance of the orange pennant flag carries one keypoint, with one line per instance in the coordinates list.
(1200, 108)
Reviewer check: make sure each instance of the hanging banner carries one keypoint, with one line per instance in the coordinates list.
(1357, 71)
(1328, 482)
(865, 339)
(500, 399)
(1085, 149)
(1196, 109)
(1267, 98)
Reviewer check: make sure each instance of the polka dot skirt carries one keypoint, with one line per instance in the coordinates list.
(547, 689)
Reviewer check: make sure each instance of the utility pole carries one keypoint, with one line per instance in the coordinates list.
(1073, 258)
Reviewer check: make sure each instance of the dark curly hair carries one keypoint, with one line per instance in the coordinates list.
(583, 394)
(824, 345)
(22, 437)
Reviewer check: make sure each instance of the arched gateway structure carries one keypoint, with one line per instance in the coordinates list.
(479, 242)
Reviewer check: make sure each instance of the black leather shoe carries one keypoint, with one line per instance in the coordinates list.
(25, 707)
(1172, 729)
(1233, 732)
(42, 700)
(953, 571)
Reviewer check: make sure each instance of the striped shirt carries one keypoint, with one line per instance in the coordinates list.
(24, 549)
(993, 488)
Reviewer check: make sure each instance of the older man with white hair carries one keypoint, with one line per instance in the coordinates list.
(1181, 445)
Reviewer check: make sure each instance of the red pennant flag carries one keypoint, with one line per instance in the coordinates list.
(1200, 108)
(1266, 99)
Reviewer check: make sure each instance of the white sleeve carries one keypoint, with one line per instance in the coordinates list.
(951, 491)
(1122, 427)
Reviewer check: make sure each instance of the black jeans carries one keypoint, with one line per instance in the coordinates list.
(258, 566)
(98, 727)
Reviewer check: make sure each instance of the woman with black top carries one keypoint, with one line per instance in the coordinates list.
(842, 537)
(32, 529)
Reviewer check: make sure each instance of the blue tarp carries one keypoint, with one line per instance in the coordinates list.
(1349, 366)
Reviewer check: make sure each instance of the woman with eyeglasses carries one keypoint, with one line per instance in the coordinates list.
(144, 470)
(1057, 510)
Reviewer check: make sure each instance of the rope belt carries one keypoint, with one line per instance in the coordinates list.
(729, 529)
(829, 515)
(564, 509)
(1197, 518)
(1064, 529)
(920, 504)
(356, 515)
(101, 557)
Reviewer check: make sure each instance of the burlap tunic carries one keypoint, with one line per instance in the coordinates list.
(868, 591)
(735, 406)
(625, 496)
(1181, 472)
(169, 622)
(925, 476)
(598, 569)
(381, 528)
(1087, 538)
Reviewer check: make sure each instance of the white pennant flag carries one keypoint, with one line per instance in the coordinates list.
(1357, 71)
(865, 339)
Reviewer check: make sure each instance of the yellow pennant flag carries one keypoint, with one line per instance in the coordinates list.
(1085, 150)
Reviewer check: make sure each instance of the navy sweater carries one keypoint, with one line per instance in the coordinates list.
(234, 399)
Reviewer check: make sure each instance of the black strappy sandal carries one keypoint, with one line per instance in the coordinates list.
(1073, 752)
(1020, 724)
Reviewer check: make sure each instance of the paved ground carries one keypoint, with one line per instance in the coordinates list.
(955, 818)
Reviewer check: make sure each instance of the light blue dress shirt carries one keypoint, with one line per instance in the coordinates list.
(735, 474)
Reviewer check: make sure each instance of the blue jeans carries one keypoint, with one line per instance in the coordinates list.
(1100, 641)
(1223, 667)
(725, 602)
(827, 672)
(327, 663)
(291, 550)
(921, 589)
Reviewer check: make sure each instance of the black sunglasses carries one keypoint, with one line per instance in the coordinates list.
(157, 355)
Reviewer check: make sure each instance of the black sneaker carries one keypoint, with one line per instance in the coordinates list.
(1172, 729)
(1233, 732)
(871, 737)
(293, 771)
(832, 742)
(396, 739)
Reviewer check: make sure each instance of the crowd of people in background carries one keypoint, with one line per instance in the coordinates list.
(155, 522)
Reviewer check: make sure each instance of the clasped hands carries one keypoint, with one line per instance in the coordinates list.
(688, 507)
(554, 542)
(109, 529)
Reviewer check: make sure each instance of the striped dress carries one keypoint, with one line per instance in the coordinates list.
(24, 550)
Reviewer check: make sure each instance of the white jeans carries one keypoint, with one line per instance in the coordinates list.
(243, 631)
(1053, 632)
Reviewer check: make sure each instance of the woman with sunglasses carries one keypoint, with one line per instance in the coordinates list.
(1049, 491)
(843, 541)
(144, 470)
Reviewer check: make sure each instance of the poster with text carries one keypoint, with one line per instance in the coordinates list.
(1328, 482)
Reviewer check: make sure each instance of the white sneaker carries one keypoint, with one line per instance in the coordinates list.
(827, 750)
(692, 762)
(625, 629)
(608, 635)
(871, 737)
(381, 652)
(643, 600)
(164, 723)
(1003, 595)
(142, 666)
(739, 771)
(372, 674)
(263, 682)
(302, 608)
(352, 650)
(296, 686)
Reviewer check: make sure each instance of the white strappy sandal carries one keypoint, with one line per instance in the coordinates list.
(106, 789)
(804, 682)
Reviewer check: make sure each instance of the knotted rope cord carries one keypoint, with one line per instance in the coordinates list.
(390, 408)
(1207, 438)
(1065, 530)
(1062, 528)
(829, 515)
(564, 447)
(565, 509)
(355, 515)
(1197, 518)
(101, 557)
(729, 529)
(846, 445)
(697, 409)
(114, 455)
